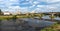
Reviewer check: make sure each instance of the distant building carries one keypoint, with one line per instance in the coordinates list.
(6, 13)
(33, 12)
(18, 12)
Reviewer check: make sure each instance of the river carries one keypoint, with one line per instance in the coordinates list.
(24, 24)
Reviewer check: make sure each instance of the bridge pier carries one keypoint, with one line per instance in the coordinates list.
(52, 16)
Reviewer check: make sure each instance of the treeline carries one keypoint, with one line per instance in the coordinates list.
(57, 15)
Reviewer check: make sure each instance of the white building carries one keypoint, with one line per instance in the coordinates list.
(6, 13)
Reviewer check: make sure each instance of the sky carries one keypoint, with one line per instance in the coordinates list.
(30, 5)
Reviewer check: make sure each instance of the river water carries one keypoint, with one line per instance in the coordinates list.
(24, 24)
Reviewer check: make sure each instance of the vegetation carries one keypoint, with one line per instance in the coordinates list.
(14, 17)
(40, 16)
(1, 13)
(52, 17)
(55, 27)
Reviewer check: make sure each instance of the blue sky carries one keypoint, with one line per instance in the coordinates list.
(30, 5)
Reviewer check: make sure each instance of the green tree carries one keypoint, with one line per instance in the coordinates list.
(1, 12)
(40, 15)
(32, 15)
(14, 18)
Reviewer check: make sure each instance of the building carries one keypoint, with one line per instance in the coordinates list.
(33, 12)
(18, 12)
(6, 13)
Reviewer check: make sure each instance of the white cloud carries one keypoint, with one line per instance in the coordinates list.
(17, 8)
(41, 5)
(52, 1)
(48, 8)
(48, 1)
(35, 2)
(7, 3)
(32, 6)
(40, 8)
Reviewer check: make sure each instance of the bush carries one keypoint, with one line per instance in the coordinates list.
(14, 17)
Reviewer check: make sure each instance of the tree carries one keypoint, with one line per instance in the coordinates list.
(1, 12)
(14, 18)
(40, 15)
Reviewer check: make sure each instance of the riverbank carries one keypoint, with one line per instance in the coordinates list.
(10, 17)
(21, 16)
(55, 27)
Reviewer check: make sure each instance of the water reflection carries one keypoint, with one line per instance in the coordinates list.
(57, 18)
(46, 17)
(24, 24)
(38, 23)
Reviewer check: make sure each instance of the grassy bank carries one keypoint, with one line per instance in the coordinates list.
(55, 27)
(10, 17)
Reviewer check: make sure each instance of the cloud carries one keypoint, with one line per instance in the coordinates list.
(35, 2)
(30, 5)
(52, 1)
(52, 6)
(14, 9)
(8, 2)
